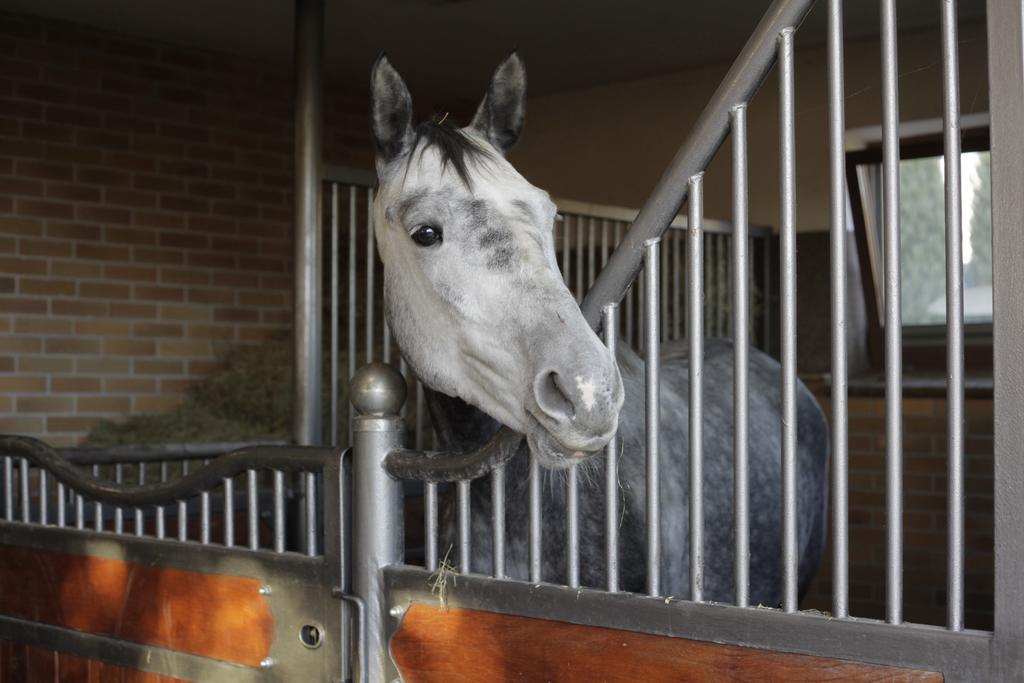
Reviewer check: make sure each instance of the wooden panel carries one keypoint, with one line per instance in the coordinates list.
(20, 663)
(467, 645)
(222, 617)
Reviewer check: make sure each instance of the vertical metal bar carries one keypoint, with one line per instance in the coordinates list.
(787, 221)
(677, 286)
(25, 498)
(630, 342)
(741, 346)
(352, 272)
(1006, 83)
(837, 229)
(572, 528)
(335, 248)
(118, 510)
(580, 255)
(893, 318)
(44, 495)
(498, 522)
(204, 514)
(421, 416)
(279, 530)
(369, 274)
(709, 310)
(535, 528)
(311, 526)
(229, 512)
(430, 526)
(386, 339)
(8, 488)
(566, 240)
(954, 320)
(462, 492)
(695, 324)
(140, 479)
(252, 492)
(766, 293)
(62, 505)
(161, 516)
(79, 512)
(665, 255)
(652, 421)
(611, 470)
(591, 251)
(183, 509)
(97, 508)
(641, 317)
(605, 229)
(308, 107)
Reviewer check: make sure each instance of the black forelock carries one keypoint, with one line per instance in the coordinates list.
(454, 146)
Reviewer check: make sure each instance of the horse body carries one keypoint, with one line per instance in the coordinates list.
(464, 427)
(473, 295)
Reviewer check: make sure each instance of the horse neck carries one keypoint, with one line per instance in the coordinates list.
(459, 426)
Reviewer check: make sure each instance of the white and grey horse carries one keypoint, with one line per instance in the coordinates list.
(473, 294)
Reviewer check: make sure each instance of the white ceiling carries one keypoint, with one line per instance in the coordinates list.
(448, 47)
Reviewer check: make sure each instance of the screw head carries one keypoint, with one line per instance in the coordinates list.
(377, 389)
(397, 611)
(267, 662)
(265, 590)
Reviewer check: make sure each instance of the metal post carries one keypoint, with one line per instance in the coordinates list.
(309, 22)
(652, 409)
(1006, 83)
(741, 345)
(695, 311)
(611, 470)
(377, 392)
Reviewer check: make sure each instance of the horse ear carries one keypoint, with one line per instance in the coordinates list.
(390, 110)
(502, 112)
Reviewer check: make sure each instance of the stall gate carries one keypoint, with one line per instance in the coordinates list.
(185, 579)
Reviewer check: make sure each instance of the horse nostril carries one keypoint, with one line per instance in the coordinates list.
(551, 398)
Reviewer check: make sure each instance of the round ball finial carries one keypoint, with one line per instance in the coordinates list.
(377, 389)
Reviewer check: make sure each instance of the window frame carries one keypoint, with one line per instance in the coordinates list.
(924, 347)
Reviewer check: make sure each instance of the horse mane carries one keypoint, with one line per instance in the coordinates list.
(452, 144)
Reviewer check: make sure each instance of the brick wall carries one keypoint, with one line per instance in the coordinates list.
(145, 217)
(924, 499)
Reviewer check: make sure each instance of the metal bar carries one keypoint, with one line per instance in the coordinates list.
(386, 339)
(572, 527)
(652, 417)
(741, 346)
(161, 515)
(893, 319)
(183, 509)
(534, 518)
(421, 415)
(677, 284)
(591, 252)
(44, 495)
(279, 521)
(766, 293)
(204, 515)
(25, 498)
(611, 470)
(695, 324)
(352, 273)
(62, 505)
(1006, 83)
(253, 509)
(430, 526)
(954, 321)
(665, 255)
(308, 103)
(97, 507)
(566, 238)
(335, 283)
(79, 512)
(580, 255)
(465, 538)
(742, 80)
(605, 229)
(369, 275)
(229, 512)
(630, 342)
(498, 522)
(140, 478)
(8, 488)
(787, 222)
(311, 526)
(118, 510)
(837, 228)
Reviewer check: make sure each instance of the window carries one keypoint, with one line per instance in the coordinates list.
(923, 238)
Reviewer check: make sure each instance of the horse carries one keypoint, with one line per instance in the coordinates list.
(479, 309)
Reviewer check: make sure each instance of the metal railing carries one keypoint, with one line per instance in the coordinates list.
(958, 652)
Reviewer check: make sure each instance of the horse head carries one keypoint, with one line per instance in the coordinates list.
(472, 290)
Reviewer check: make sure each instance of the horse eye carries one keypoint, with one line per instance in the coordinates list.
(426, 235)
